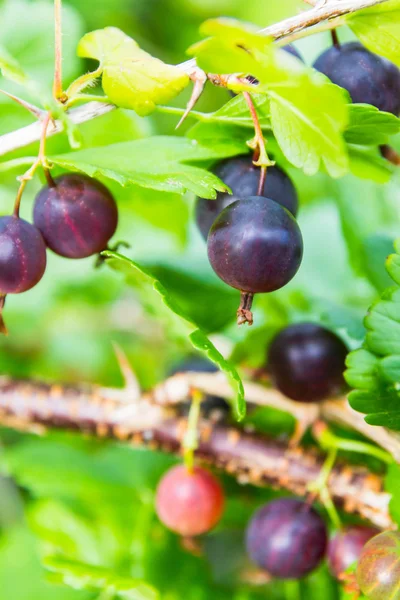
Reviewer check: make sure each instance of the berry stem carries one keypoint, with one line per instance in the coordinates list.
(3, 328)
(329, 441)
(390, 154)
(190, 440)
(335, 38)
(258, 144)
(41, 160)
(57, 84)
(244, 314)
(261, 182)
(319, 488)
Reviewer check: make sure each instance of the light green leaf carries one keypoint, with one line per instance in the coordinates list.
(230, 43)
(10, 68)
(83, 576)
(158, 163)
(366, 163)
(378, 28)
(132, 78)
(375, 370)
(308, 132)
(392, 486)
(234, 113)
(368, 126)
(140, 277)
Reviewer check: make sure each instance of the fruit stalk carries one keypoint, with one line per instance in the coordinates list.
(57, 84)
(251, 458)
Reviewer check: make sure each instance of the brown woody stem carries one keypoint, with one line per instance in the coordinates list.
(244, 314)
(251, 458)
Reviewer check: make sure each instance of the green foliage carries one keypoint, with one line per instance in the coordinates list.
(392, 481)
(139, 277)
(158, 163)
(11, 69)
(378, 28)
(84, 576)
(309, 133)
(131, 78)
(369, 126)
(375, 370)
(86, 507)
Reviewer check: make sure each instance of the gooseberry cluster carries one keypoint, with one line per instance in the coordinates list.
(254, 242)
(74, 216)
(286, 537)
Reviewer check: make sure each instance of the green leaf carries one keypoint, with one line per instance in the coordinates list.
(378, 28)
(142, 278)
(195, 294)
(375, 370)
(132, 78)
(83, 576)
(236, 112)
(10, 68)
(366, 163)
(309, 133)
(392, 486)
(158, 163)
(231, 42)
(368, 126)
(361, 220)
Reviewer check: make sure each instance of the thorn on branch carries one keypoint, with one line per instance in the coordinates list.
(199, 78)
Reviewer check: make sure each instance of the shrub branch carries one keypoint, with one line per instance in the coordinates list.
(250, 457)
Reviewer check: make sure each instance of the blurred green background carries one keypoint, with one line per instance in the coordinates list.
(86, 508)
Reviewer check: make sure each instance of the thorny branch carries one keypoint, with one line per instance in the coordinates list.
(324, 15)
(250, 457)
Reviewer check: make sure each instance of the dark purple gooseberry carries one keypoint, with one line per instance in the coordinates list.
(306, 362)
(367, 77)
(212, 407)
(378, 570)
(255, 246)
(22, 255)
(345, 548)
(243, 177)
(287, 538)
(77, 216)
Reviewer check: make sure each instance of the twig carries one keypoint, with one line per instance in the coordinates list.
(41, 160)
(177, 389)
(251, 458)
(327, 16)
(57, 84)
